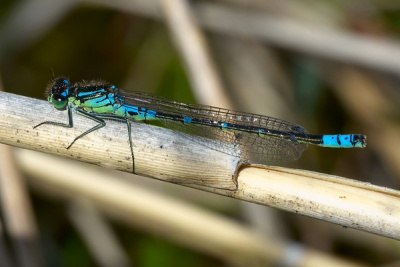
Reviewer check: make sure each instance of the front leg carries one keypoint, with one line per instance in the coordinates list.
(70, 123)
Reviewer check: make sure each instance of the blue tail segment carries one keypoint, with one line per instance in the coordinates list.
(343, 140)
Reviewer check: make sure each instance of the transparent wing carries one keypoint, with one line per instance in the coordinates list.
(253, 147)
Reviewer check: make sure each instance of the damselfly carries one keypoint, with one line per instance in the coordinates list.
(260, 139)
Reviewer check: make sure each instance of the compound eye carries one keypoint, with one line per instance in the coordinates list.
(59, 102)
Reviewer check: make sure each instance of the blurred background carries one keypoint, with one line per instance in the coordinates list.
(330, 66)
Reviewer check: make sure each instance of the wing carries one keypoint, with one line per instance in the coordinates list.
(249, 146)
